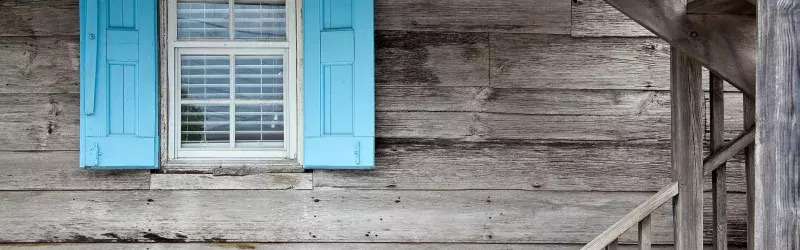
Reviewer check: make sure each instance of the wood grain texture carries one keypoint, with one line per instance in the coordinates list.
(687, 150)
(330, 215)
(39, 65)
(645, 231)
(725, 44)
(609, 236)
(736, 7)
(749, 117)
(431, 59)
(298, 246)
(469, 126)
(50, 65)
(523, 101)
(728, 151)
(613, 246)
(777, 172)
(457, 165)
(551, 61)
(58, 170)
(514, 16)
(595, 18)
(59, 17)
(38, 122)
(50, 121)
(39, 18)
(267, 181)
(719, 175)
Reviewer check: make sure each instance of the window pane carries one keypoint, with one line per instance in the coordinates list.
(259, 126)
(259, 19)
(203, 19)
(205, 77)
(259, 78)
(204, 125)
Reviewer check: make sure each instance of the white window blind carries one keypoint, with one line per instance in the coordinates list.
(204, 19)
(256, 101)
(232, 69)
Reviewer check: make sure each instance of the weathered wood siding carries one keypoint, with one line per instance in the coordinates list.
(504, 121)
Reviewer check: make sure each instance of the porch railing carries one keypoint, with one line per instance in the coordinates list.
(687, 176)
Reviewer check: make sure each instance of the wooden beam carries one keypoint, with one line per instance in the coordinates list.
(718, 176)
(614, 245)
(637, 214)
(730, 149)
(721, 7)
(749, 113)
(725, 44)
(646, 233)
(687, 150)
(777, 175)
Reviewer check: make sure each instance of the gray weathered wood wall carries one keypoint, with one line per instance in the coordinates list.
(508, 121)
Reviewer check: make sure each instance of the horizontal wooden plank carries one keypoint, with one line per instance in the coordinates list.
(39, 18)
(456, 165)
(39, 65)
(50, 65)
(304, 246)
(523, 101)
(331, 215)
(39, 122)
(595, 18)
(50, 121)
(552, 61)
(58, 170)
(266, 181)
(516, 16)
(431, 59)
(469, 126)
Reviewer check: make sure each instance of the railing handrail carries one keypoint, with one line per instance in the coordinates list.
(632, 218)
(730, 149)
(710, 163)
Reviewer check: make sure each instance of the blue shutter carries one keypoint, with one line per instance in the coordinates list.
(118, 84)
(339, 84)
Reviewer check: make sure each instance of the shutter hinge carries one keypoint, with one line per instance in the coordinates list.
(94, 155)
(358, 153)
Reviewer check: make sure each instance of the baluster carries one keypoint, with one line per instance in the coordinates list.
(645, 234)
(614, 245)
(718, 176)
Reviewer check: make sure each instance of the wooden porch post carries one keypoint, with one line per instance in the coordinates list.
(687, 152)
(777, 169)
(718, 176)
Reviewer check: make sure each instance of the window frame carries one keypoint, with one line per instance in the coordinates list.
(215, 46)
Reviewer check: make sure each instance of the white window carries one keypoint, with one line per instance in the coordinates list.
(232, 79)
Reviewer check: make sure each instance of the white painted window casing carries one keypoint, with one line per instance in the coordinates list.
(232, 80)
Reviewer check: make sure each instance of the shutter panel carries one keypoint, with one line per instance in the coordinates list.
(339, 84)
(118, 84)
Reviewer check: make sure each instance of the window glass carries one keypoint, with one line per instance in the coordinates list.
(259, 77)
(205, 77)
(205, 125)
(211, 19)
(259, 19)
(259, 126)
(232, 89)
(257, 101)
(203, 19)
